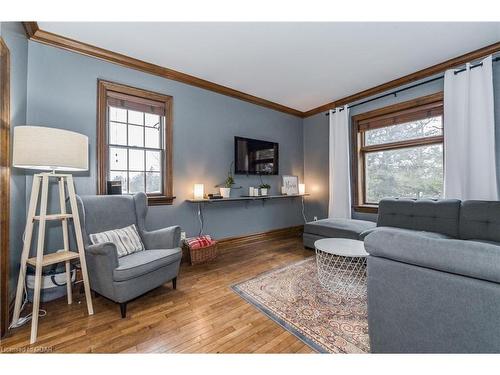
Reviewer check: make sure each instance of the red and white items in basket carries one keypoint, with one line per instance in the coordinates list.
(199, 242)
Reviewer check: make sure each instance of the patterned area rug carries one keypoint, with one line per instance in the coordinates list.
(293, 297)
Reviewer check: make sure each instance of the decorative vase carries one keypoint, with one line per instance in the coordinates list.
(250, 191)
(225, 192)
(263, 191)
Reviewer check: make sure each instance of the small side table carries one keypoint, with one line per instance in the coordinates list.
(341, 266)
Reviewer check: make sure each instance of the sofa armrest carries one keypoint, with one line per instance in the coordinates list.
(467, 258)
(165, 238)
(102, 260)
(105, 253)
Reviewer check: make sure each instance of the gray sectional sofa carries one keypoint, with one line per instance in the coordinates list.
(335, 228)
(434, 276)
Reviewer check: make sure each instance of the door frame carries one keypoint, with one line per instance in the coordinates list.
(4, 184)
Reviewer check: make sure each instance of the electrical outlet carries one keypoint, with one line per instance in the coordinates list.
(183, 235)
(315, 218)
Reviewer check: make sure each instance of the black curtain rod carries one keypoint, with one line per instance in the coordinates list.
(395, 92)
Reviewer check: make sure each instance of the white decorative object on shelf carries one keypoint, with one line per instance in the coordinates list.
(225, 192)
(250, 191)
(291, 185)
(198, 191)
(302, 189)
(263, 191)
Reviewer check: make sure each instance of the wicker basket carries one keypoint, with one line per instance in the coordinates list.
(202, 255)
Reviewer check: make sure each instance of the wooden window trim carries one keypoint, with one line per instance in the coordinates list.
(4, 184)
(106, 87)
(426, 106)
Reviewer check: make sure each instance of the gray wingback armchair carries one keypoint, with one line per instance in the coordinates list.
(123, 279)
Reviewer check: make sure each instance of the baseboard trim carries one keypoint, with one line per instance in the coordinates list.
(294, 231)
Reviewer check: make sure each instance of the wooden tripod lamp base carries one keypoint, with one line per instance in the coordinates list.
(46, 148)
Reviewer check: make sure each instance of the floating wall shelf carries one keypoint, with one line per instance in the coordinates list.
(246, 199)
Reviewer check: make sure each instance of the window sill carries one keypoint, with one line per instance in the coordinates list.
(160, 200)
(367, 208)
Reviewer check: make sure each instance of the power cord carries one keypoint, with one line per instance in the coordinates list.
(200, 219)
(25, 319)
(303, 210)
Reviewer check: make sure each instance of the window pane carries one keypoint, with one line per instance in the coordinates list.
(152, 120)
(136, 182)
(135, 136)
(117, 158)
(416, 129)
(117, 133)
(152, 138)
(135, 117)
(406, 173)
(153, 182)
(153, 159)
(136, 160)
(117, 114)
(119, 176)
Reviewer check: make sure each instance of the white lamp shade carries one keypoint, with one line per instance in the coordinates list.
(302, 189)
(37, 147)
(198, 191)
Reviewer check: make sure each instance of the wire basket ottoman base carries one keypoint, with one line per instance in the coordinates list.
(345, 276)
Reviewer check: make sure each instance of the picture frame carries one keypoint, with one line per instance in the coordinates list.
(290, 185)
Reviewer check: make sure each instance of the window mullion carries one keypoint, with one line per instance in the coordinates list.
(403, 144)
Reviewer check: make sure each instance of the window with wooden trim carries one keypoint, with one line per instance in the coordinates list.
(398, 152)
(135, 141)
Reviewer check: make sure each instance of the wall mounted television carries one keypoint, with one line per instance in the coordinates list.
(252, 156)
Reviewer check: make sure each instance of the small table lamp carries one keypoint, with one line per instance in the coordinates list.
(198, 191)
(49, 149)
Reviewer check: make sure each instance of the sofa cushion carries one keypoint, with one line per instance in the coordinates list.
(480, 220)
(423, 233)
(126, 240)
(143, 262)
(439, 216)
(365, 233)
(338, 228)
(468, 258)
(484, 241)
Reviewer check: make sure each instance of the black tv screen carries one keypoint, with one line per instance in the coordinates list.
(252, 156)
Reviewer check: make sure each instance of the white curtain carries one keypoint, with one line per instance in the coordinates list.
(340, 186)
(469, 134)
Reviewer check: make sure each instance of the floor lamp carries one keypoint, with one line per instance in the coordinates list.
(53, 150)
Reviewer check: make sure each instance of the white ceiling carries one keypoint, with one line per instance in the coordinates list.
(300, 65)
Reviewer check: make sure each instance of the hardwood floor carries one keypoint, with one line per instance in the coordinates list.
(202, 316)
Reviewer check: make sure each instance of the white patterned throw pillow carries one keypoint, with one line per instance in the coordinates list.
(126, 240)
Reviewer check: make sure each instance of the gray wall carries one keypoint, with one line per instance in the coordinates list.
(62, 93)
(316, 143)
(496, 98)
(15, 38)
